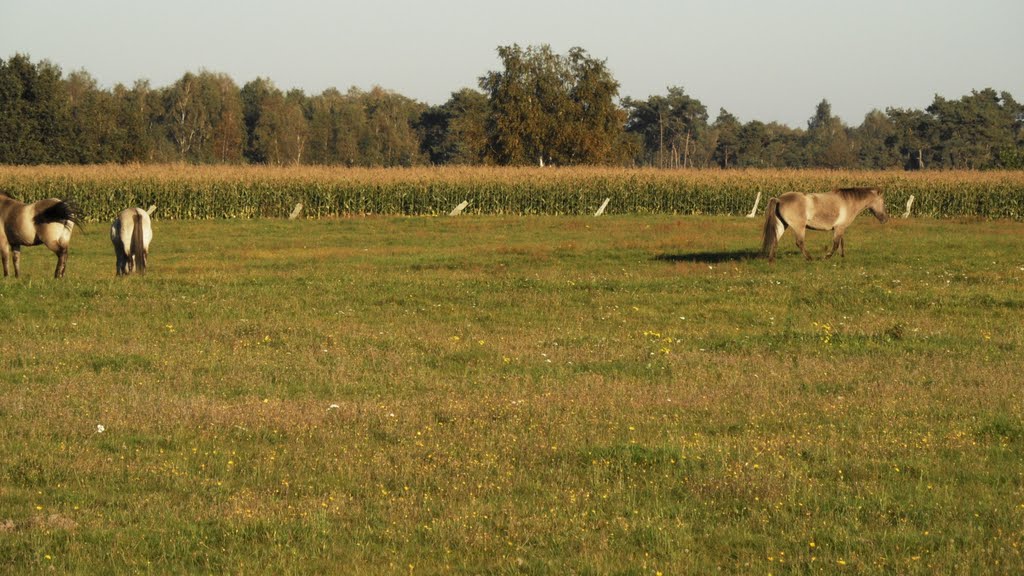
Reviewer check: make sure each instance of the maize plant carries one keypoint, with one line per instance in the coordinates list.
(203, 192)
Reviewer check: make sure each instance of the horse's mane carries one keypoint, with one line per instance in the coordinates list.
(857, 193)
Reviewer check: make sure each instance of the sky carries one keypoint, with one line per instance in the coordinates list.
(767, 60)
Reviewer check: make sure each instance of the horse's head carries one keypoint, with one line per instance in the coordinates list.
(877, 207)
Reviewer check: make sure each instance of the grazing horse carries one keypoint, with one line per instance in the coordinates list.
(131, 234)
(833, 210)
(48, 222)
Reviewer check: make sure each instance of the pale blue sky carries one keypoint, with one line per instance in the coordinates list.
(769, 60)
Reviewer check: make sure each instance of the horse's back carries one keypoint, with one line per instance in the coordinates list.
(124, 226)
(824, 211)
(55, 235)
(814, 211)
(9, 208)
(792, 207)
(48, 222)
(19, 229)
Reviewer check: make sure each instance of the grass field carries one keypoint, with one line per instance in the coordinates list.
(506, 395)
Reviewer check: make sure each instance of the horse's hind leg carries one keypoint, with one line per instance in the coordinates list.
(62, 262)
(780, 229)
(17, 261)
(122, 258)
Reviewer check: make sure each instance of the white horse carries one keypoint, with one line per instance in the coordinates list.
(131, 234)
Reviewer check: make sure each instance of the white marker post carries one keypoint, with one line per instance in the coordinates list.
(753, 211)
(910, 202)
(458, 209)
(295, 211)
(603, 206)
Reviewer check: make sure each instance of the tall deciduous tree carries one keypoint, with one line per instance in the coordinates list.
(525, 99)
(140, 110)
(34, 117)
(875, 142)
(550, 108)
(595, 122)
(973, 129)
(335, 124)
(293, 130)
(828, 144)
(456, 131)
(389, 138)
(726, 129)
(915, 136)
(773, 145)
(228, 137)
(276, 123)
(188, 122)
(669, 125)
(204, 118)
(97, 136)
(254, 95)
(1012, 155)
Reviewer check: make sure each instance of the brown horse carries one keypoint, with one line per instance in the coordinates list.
(47, 222)
(829, 211)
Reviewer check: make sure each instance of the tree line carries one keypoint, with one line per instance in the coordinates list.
(540, 108)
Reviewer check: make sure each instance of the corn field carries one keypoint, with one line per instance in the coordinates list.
(198, 192)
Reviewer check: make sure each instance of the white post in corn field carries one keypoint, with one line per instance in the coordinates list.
(295, 211)
(753, 211)
(458, 209)
(603, 206)
(910, 202)
(151, 209)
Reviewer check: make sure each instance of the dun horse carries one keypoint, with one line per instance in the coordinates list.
(829, 211)
(47, 222)
(131, 234)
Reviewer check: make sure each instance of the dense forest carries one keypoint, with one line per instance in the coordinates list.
(539, 108)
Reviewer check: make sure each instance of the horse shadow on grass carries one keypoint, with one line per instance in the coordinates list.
(718, 257)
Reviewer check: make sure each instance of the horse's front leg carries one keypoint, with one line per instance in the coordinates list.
(800, 234)
(5, 252)
(837, 243)
(17, 261)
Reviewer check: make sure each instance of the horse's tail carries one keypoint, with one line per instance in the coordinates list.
(59, 211)
(770, 237)
(138, 247)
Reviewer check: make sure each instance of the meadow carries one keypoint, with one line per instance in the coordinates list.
(504, 394)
